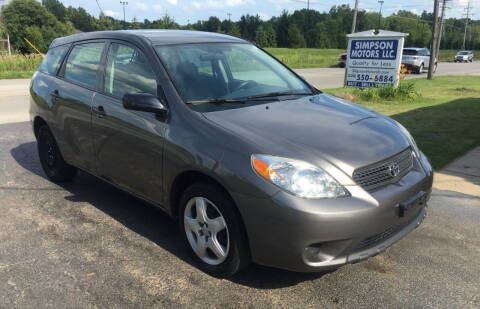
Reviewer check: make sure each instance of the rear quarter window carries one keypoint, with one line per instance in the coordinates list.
(52, 60)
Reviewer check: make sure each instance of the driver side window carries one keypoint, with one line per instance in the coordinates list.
(128, 71)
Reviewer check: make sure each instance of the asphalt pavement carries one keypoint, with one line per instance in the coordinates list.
(86, 244)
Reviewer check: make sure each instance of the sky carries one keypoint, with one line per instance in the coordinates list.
(184, 11)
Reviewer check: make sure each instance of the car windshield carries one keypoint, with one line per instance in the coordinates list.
(410, 52)
(212, 76)
(463, 53)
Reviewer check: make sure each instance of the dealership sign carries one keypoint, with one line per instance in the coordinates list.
(374, 59)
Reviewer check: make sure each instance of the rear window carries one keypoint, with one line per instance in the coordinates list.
(52, 60)
(82, 64)
(410, 52)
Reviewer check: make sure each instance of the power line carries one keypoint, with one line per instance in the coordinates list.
(99, 7)
(433, 52)
(124, 4)
(442, 24)
(468, 8)
(355, 12)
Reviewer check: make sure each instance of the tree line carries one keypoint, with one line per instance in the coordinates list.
(42, 22)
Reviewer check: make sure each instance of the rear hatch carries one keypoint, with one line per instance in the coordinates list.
(409, 54)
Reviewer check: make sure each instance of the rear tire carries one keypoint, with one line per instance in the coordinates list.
(200, 232)
(56, 169)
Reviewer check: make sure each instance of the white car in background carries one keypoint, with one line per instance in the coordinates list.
(417, 59)
(464, 56)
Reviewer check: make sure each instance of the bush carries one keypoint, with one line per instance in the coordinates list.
(20, 63)
(405, 91)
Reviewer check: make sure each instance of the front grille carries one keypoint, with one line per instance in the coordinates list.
(386, 234)
(384, 172)
(375, 239)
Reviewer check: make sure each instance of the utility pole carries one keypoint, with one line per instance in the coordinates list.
(124, 4)
(433, 54)
(229, 16)
(380, 15)
(468, 8)
(355, 11)
(442, 24)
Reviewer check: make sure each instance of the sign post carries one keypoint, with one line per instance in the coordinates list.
(374, 60)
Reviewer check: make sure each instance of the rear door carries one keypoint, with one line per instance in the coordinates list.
(72, 94)
(128, 144)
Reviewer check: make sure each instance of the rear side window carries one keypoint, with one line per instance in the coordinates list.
(128, 71)
(410, 52)
(82, 64)
(52, 60)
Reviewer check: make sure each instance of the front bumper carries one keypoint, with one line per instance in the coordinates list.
(309, 235)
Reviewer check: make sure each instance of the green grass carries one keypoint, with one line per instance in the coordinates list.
(307, 57)
(15, 74)
(19, 66)
(445, 120)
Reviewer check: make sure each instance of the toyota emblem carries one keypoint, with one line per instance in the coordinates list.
(393, 169)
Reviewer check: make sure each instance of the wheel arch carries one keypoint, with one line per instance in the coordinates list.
(185, 179)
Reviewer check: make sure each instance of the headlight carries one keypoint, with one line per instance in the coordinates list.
(410, 139)
(297, 177)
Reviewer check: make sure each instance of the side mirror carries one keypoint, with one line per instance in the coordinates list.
(144, 102)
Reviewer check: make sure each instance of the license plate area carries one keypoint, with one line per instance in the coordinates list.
(412, 204)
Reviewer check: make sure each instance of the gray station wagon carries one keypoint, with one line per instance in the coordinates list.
(254, 163)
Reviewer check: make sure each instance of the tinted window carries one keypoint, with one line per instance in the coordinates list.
(52, 59)
(410, 52)
(82, 63)
(128, 71)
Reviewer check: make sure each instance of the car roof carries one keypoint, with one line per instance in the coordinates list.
(152, 36)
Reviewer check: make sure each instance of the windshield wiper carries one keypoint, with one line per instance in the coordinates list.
(276, 94)
(260, 97)
(217, 101)
(235, 100)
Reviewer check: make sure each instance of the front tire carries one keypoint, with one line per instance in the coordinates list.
(213, 230)
(56, 169)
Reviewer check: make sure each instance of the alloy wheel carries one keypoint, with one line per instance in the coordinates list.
(206, 230)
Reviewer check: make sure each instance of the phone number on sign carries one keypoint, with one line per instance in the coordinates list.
(375, 78)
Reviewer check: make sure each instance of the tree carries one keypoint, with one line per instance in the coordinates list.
(56, 8)
(282, 29)
(261, 37)
(28, 18)
(235, 31)
(271, 36)
(295, 37)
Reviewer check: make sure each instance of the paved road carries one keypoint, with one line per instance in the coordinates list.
(87, 244)
(324, 78)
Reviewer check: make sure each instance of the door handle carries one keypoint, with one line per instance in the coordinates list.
(100, 111)
(55, 95)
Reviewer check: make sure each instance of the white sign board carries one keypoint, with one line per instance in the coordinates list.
(374, 59)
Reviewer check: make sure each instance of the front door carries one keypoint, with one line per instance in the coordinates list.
(128, 144)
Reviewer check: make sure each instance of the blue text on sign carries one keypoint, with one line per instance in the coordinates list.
(374, 49)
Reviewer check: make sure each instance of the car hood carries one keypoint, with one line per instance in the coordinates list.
(316, 128)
